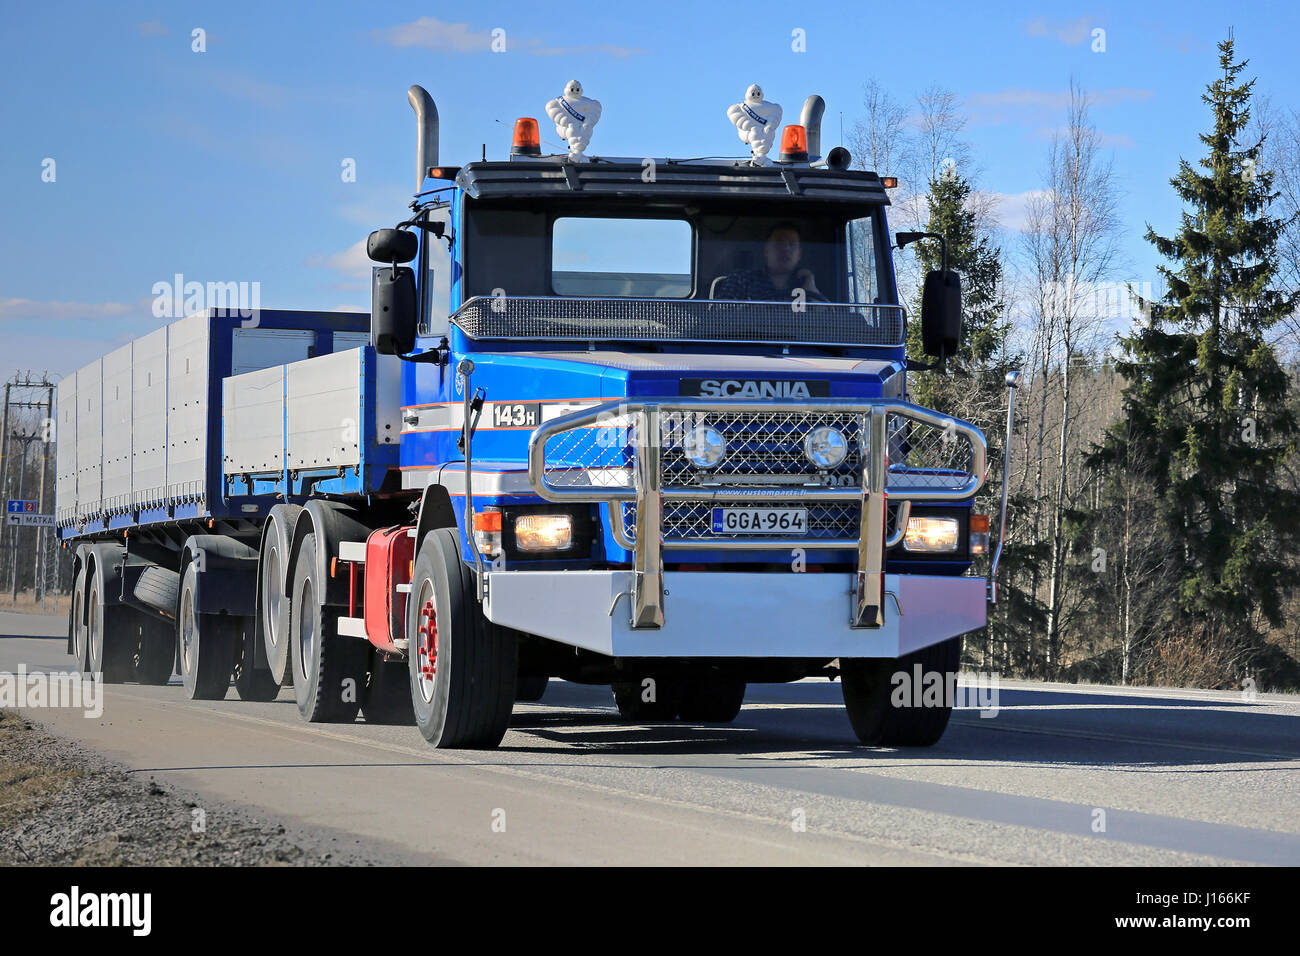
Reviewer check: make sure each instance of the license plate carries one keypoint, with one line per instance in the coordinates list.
(760, 520)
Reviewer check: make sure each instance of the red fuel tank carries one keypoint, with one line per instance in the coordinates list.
(389, 552)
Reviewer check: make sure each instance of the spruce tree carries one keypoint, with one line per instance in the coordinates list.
(1206, 399)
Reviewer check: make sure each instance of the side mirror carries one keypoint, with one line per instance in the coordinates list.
(941, 313)
(391, 245)
(393, 310)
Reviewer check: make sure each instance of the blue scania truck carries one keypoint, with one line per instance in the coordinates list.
(637, 422)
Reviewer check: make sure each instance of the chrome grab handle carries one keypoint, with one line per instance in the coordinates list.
(1013, 382)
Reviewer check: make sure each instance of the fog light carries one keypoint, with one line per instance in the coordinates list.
(931, 534)
(825, 447)
(544, 532)
(704, 446)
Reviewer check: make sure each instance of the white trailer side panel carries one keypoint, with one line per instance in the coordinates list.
(187, 408)
(90, 434)
(117, 429)
(322, 408)
(65, 449)
(149, 419)
(252, 406)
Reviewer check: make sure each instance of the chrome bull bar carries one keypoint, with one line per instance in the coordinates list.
(614, 453)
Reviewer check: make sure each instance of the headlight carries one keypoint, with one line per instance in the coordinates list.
(931, 534)
(825, 447)
(543, 532)
(704, 446)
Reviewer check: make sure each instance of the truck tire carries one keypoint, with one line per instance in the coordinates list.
(111, 638)
(711, 700)
(77, 635)
(206, 645)
(251, 683)
(531, 689)
(274, 589)
(329, 669)
(387, 699)
(462, 666)
(155, 651)
(629, 697)
(868, 688)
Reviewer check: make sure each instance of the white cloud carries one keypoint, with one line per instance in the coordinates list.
(434, 34)
(1015, 104)
(352, 261)
(35, 310)
(152, 28)
(1012, 209)
(1069, 32)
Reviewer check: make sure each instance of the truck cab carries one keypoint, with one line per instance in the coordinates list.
(664, 403)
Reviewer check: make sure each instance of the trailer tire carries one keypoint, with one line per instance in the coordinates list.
(77, 632)
(155, 652)
(275, 591)
(711, 700)
(251, 683)
(329, 669)
(388, 692)
(531, 689)
(868, 690)
(462, 666)
(205, 645)
(110, 639)
(629, 697)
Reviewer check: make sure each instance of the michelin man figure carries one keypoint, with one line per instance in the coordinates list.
(756, 122)
(575, 116)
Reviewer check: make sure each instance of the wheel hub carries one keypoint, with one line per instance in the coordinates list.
(427, 647)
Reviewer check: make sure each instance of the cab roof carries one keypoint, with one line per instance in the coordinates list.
(672, 179)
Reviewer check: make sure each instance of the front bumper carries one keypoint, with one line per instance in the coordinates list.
(736, 614)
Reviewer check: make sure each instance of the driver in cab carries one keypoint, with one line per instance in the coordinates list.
(782, 271)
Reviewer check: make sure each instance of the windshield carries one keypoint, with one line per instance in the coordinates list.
(715, 251)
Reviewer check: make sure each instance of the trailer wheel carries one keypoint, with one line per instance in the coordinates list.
(630, 698)
(462, 666)
(531, 689)
(77, 621)
(868, 691)
(110, 644)
(711, 700)
(329, 669)
(250, 682)
(206, 645)
(387, 699)
(274, 590)
(155, 652)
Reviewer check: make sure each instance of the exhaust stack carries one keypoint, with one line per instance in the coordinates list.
(810, 118)
(426, 132)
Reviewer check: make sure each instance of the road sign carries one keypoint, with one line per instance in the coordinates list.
(26, 518)
(19, 506)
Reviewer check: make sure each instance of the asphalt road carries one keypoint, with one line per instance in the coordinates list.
(1179, 777)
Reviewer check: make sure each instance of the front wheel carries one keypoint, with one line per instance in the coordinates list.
(886, 712)
(462, 666)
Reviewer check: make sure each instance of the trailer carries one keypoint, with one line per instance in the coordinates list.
(640, 422)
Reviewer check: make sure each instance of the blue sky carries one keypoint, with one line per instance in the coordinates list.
(226, 165)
